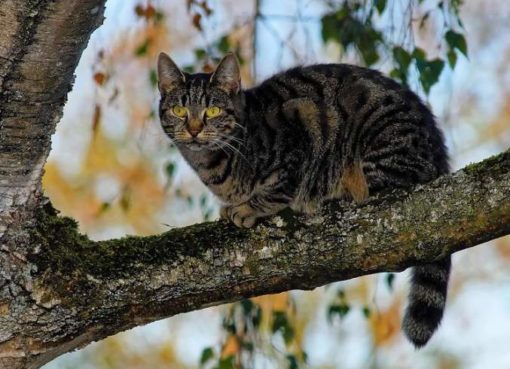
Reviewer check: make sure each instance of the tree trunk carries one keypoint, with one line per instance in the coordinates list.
(41, 42)
(60, 291)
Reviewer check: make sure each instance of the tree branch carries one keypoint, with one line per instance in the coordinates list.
(84, 290)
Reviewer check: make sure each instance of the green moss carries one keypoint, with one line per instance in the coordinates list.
(69, 264)
(291, 220)
(500, 163)
(252, 265)
(62, 249)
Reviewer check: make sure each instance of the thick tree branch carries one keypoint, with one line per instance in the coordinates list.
(84, 290)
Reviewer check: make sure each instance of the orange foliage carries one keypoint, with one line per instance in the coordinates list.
(231, 347)
(136, 203)
(100, 78)
(269, 303)
(385, 324)
(503, 247)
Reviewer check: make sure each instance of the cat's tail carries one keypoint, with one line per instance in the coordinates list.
(427, 301)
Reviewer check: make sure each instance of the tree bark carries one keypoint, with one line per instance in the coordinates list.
(59, 290)
(41, 42)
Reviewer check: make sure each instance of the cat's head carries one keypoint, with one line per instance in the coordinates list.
(200, 110)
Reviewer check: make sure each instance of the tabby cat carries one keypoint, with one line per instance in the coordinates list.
(304, 136)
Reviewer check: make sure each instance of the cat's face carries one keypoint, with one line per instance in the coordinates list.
(199, 110)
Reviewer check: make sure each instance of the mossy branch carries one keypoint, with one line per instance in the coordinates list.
(93, 289)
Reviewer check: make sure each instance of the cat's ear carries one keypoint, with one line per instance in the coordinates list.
(227, 75)
(169, 74)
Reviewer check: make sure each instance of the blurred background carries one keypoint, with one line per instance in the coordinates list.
(112, 169)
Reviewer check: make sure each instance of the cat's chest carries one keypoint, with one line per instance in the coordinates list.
(223, 178)
(229, 188)
(231, 192)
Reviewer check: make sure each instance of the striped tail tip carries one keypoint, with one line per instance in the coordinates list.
(427, 301)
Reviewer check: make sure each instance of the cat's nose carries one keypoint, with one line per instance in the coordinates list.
(194, 128)
(194, 131)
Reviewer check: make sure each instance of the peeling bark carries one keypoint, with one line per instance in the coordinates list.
(59, 290)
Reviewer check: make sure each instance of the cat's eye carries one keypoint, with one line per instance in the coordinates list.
(179, 111)
(212, 112)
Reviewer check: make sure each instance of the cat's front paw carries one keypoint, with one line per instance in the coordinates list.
(243, 216)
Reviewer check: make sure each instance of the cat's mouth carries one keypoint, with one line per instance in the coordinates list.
(196, 144)
(207, 141)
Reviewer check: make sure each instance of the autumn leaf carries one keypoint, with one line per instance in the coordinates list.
(207, 68)
(231, 347)
(196, 21)
(139, 10)
(147, 13)
(208, 11)
(96, 119)
(150, 12)
(100, 78)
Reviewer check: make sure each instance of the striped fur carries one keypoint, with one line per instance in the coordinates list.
(304, 136)
(427, 301)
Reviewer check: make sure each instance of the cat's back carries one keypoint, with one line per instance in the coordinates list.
(349, 112)
(345, 95)
(323, 81)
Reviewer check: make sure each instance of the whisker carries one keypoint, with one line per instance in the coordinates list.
(239, 153)
(240, 126)
(233, 148)
(219, 146)
(226, 142)
(232, 138)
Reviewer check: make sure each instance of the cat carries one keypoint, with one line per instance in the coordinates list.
(304, 136)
